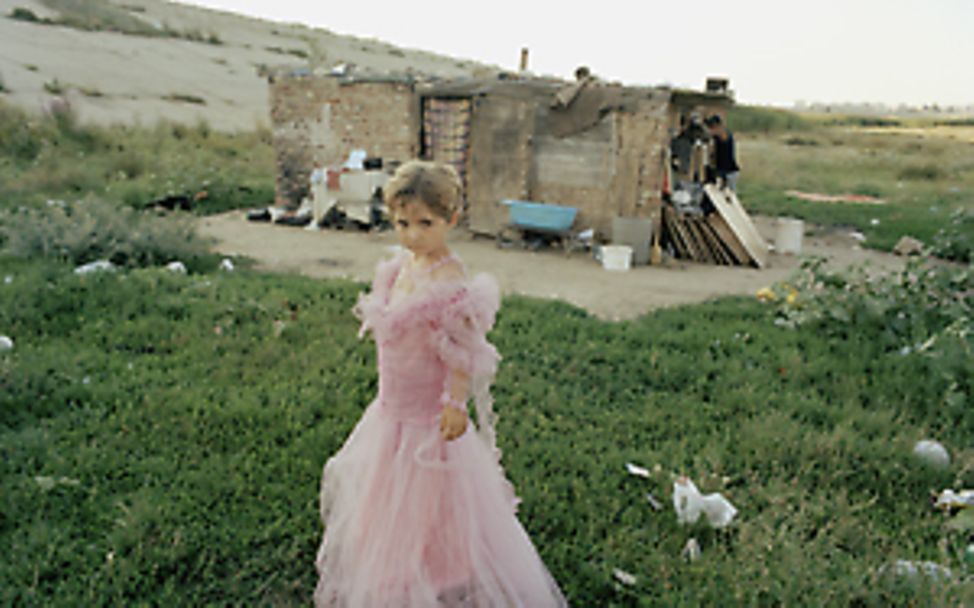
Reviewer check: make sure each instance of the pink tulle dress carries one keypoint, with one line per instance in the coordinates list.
(412, 520)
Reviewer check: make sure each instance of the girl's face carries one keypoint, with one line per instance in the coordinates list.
(420, 230)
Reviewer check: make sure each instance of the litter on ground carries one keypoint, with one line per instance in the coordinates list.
(932, 453)
(690, 504)
(636, 470)
(816, 197)
(98, 266)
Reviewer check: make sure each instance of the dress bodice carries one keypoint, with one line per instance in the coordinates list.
(421, 336)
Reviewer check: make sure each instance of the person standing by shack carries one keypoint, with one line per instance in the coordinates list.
(724, 154)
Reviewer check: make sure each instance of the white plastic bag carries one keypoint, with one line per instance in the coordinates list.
(690, 504)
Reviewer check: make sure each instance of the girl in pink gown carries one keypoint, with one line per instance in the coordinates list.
(416, 508)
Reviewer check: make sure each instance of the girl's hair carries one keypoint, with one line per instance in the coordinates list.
(436, 185)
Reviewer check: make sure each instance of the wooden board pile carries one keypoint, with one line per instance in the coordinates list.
(726, 237)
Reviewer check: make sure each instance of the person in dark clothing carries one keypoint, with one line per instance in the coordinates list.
(724, 156)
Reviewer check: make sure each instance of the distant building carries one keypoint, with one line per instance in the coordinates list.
(599, 147)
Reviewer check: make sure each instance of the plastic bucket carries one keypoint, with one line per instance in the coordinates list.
(789, 236)
(616, 257)
(635, 232)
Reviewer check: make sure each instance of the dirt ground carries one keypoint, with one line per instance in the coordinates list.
(577, 279)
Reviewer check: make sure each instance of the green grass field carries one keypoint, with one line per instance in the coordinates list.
(163, 436)
(923, 171)
(53, 157)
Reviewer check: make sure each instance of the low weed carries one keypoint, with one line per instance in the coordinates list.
(55, 157)
(91, 230)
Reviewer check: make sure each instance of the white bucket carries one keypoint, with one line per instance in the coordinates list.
(789, 236)
(616, 257)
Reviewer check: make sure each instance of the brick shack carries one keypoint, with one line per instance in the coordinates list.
(595, 146)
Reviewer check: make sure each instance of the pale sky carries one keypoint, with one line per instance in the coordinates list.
(774, 52)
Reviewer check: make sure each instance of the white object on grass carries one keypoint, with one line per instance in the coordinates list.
(691, 551)
(902, 567)
(690, 504)
(176, 266)
(932, 453)
(948, 499)
(226, 264)
(623, 577)
(6, 343)
(8, 279)
(49, 483)
(637, 470)
(98, 266)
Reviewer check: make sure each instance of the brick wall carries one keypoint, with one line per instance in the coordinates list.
(320, 118)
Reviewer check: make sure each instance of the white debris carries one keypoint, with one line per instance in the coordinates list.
(653, 502)
(227, 265)
(858, 236)
(623, 577)
(902, 567)
(948, 499)
(907, 245)
(356, 159)
(98, 266)
(691, 552)
(690, 504)
(636, 470)
(6, 343)
(86, 380)
(932, 453)
(49, 483)
(177, 267)
(7, 280)
(874, 221)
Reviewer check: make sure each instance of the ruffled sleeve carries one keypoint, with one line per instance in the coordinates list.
(460, 330)
(460, 339)
(368, 309)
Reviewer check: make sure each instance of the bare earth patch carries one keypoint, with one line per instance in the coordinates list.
(577, 279)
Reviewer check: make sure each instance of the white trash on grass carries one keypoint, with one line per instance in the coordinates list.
(227, 265)
(932, 453)
(177, 267)
(6, 343)
(47, 483)
(691, 551)
(690, 504)
(623, 577)
(948, 500)
(97, 266)
(637, 470)
(902, 567)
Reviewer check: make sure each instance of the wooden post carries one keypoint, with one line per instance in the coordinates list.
(524, 59)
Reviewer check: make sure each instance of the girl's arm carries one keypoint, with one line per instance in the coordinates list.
(453, 419)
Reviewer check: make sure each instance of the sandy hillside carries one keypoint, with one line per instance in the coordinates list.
(119, 78)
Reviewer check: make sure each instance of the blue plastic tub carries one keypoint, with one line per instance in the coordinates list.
(540, 216)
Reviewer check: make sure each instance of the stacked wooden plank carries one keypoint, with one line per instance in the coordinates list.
(726, 237)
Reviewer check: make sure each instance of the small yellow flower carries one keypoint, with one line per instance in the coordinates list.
(792, 297)
(765, 294)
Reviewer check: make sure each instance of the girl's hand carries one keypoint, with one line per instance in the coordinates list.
(453, 422)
